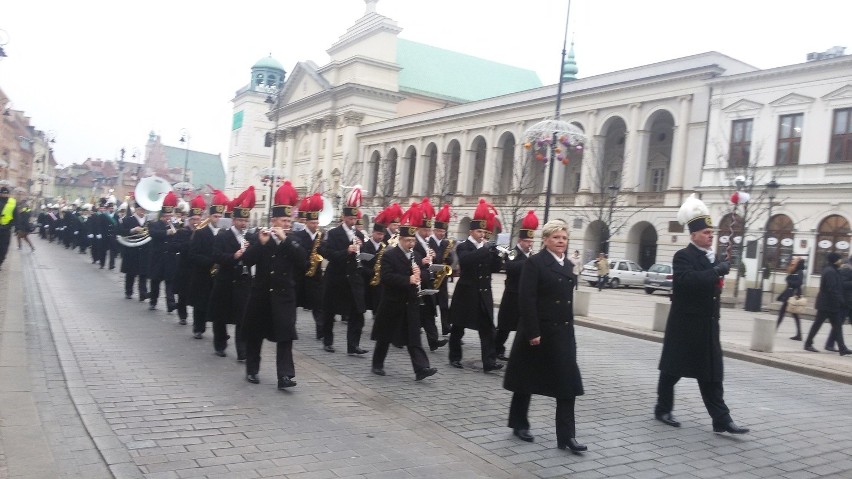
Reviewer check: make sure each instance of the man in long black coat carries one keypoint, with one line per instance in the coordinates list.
(429, 305)
(135, 260)
(309, 284)
(201, 257)
(374, 245)
(231, 286)
(830, 305)
(444, 249)
(473, 301)
(163, 259)
(507, 316)
(691, 346)
(343, 289)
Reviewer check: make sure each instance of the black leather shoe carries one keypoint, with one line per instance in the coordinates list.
(846, 352)
(797, 337)
(252, 378)
(220, 353)
(128, 296)
(832, 349)
(523, 435)
(492, 367)
(328, 349)
(152, 307)
(730, 427)
(357, 351)
(573, 445)
(668, 419)
(182, 322)
(378, 371)
(502, 357)
(197, 335)
(456, 364)
(439, 343)
(810, 348)
(285, 382)
(424, 373)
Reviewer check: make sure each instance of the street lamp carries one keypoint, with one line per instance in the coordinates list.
(272, 101)
(771, 194)
(184, 138)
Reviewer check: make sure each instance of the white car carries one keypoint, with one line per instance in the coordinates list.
(622, 272)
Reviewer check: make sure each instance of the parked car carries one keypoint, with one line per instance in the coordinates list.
(659, 277)
(622, 272)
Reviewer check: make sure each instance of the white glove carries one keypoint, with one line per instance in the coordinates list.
(76, 232)
(90, 236)
(98, 236)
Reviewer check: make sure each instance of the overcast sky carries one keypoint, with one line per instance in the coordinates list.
(101, 74)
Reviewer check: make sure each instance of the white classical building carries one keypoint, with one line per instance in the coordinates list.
(407, 120)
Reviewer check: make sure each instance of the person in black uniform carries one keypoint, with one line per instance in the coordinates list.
(271, 312)
(429, 306)
(392, 215)
(398, 321)
(507, 316)
(544, 353)
(180, 245)
(444, 249)
(98, 240)
(135, 259)
(309, 284)
(163, 259)
(374, 246)
(691, 346)
(830, 305)
(109, 229)
(473, 303)
(232, 284)
(343, 289)
(202, 259)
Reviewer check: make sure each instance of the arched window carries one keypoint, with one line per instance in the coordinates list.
(832, 236)
(779, 242)
(729, 233)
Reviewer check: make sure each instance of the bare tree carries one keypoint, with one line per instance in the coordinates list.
(524, 194)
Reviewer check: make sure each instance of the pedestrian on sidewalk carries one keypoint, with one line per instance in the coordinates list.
(691, 346)
(830, 305)
(23, 228)
(8, 212)
(578, 267)
(795, 278)
(544, 353)
(846, 278)
(602, 263)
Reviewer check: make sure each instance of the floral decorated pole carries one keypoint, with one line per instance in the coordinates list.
(550, 140)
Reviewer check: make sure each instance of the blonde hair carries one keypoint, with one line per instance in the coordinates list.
(553, 226)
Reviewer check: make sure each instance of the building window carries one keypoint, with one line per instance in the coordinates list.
(832, 236)
(658, 179)
(740, 144)
(730, 234)
(789, 139)
(841, 137)
(779, 242)
(267, 141)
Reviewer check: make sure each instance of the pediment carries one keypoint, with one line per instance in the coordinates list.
(303, 82)
(842, 93)
(743, 105)
(793, 99)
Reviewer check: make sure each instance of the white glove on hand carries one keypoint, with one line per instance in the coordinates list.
(90, 236)
(76, 232)
(98, 236)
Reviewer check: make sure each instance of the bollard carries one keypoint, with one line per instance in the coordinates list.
(763, 335)
(581, 303)
(661, 316)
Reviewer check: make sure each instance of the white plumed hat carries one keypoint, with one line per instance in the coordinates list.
(695, 214)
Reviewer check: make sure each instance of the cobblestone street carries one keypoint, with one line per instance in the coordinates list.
(120, 391)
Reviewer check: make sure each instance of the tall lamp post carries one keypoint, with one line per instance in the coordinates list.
(771, 194)
(184, 138)
(613, 196)
(272, 101)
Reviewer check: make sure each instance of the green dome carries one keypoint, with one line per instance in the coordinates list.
(569, 69)
(269, 62)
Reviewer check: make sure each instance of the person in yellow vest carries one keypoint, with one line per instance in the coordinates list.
(7, 220)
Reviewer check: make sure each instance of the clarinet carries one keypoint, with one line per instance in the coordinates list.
(415, 270)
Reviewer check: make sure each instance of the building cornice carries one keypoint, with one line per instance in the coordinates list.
(844, 62)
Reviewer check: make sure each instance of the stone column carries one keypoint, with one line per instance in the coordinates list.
(351, 160)
(314, 128)
(678, 161)
(519, 150)
(590, 152)
(631, 151)
(329, 124)
(465, 184)
(420, 170)
(291, 153)
(490, 162)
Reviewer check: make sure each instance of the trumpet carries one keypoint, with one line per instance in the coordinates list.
(507, 253)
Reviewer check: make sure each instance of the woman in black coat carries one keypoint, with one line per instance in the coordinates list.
(544, 354)
(795, 278)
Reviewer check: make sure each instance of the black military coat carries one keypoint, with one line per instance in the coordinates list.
(472, 298)
(202, 259)
(271, 311)
(429, 302)
(691, 346)
(308, 288)
(372, 294)
(232, 282)
(443, 296)
(830, 297)
(546, 294)
(163, 260)
(134, 260)
(507, 316)
(343, 289)
(399, 303)
(180, 249)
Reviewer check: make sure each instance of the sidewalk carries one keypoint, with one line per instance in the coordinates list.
(631, 312)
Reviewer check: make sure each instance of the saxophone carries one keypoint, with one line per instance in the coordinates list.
(316, 258)
(377, 268)
(440, 276)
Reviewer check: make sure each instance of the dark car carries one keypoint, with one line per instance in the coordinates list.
(659, 277)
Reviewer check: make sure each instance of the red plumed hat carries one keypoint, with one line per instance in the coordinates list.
(313, 206)
(219, 202)
(244, 203)
(285, 198)
(480, 216)
(528, 225)
(393, 213)
(411, 220)
(353, 202)
(196, 206)
(169, 203)
(442, 217)
(428, 211)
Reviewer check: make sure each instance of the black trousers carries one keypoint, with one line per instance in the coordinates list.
(836, 318)
(427, 321)
(565, 425)
(500, 338)
(5, 239)
(354, 326)
(113, 251)
(283, 357)
(486, 340)
(782, 312)
(181, 305)
(155, 292)
(221, 337)
(419, 360)
(199, 319)
(712, 393)
(129, 279)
